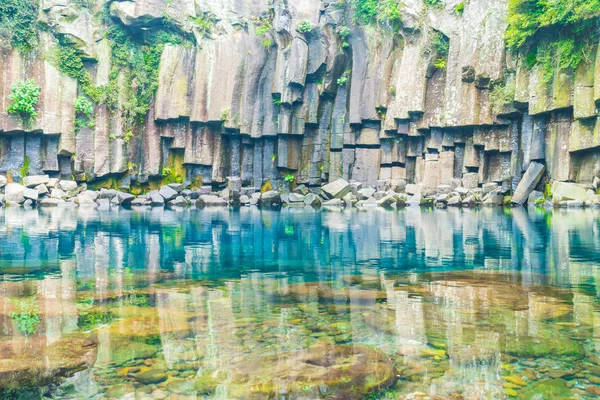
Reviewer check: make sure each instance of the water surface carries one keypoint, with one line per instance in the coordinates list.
(299, 303)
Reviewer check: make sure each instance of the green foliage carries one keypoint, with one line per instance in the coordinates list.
(501, 96)
(540, 201)
(18, 26)
(68, 61)
(392, 90)
(166, 172)
(440, 63)
(84, 111)
(289, 178)
(557, 34)
(343, 80)
(459, 8)
(266, 43)
(305, 26)
(344, 32)
(93, 317)
(137, 58)
(205, 23)
(441, 44)
(26, 166)
(24, 96)
(26, 315)
(277, 100)
(263, 29)
(225, 115)
(507, 200)
(435, 3)
(377, 11)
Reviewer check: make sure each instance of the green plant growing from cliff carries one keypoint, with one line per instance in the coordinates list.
(555, 34)
(440, 63)
(137, 59)
(205, 23)
(18, 24)
(435, 3)
(266, 43)
(26, 314)
(305, 26)
(502, 95)
(84, 111)
(289, 178)
(377, 11)
(343, 80)
(24, 96)
(459, 9)
(24, 171)
(166, 172)
(441, 44)
(68, 61)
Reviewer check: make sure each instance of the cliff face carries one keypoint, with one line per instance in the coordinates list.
(256, 94)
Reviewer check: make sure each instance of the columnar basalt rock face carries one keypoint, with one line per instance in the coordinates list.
(368, 106)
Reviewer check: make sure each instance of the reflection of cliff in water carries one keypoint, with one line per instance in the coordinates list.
(221, 243)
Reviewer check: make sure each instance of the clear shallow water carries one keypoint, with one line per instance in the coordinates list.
(299, 303)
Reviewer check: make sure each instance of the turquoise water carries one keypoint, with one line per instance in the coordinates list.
(299, 303)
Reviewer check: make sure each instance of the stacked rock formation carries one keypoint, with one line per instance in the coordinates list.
(366, 105)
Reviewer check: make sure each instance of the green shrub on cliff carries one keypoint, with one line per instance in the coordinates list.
(24, 96)
(501, 96)
(18, 26)
(305, 26)
(377, 11)
(555, 34)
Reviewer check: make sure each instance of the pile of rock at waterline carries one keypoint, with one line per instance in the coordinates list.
(43, 191)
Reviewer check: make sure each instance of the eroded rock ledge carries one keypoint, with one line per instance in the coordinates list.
(368, 106)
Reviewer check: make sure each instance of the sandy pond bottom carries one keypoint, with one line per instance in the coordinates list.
(299, 304)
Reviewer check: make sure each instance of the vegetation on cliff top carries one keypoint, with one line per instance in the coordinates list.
(554, 34)
(377, 11)
(18, 24)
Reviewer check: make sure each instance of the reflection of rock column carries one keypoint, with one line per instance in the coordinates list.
(68, 288)
(409, 317)
(172, 307)
(152, 257)
(58, 311)
(222, 343)
(101, 246)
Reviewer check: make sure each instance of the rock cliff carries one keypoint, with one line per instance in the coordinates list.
(265, 89)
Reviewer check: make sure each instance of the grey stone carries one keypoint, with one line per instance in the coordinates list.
(365, 193)
(107, 194)
(312, 199)
(91, 193)
(295, 198)
(84, 200)
(35, 180)
(530, 179)
(562, 191)
(336, 189)
(30, 194)
(244, 199)
(179, 201)
(58, 194)
(413, 189)
(301, 189)
(124, 199)
(168, 193)
(270, 198)
(470, 180)
(334, 203)
(140, 201)
(42, 189)
(444, 189)
(254, 198)
(534, 196)
(234, 183)
(388, 200)
(489, 187)
(50, 202)
(455, 201)
(462, 191)
(379, 195)
(210, 200)
(52, 183)
(13, 193)
(3, 181)
(103, 204)
(595, 183)
(205, 190)
(156, 199)
(67, 186)
(178, 187)
(415, 200)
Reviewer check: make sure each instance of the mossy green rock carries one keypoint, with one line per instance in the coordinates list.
(528, 347)
(151, 376)
(549, 389)
(125, 350)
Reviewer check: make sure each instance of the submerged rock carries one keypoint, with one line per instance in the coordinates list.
(333, 372)
(37, 364)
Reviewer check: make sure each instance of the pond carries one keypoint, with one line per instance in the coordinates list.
(299, 303)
